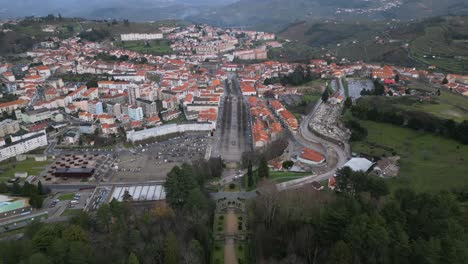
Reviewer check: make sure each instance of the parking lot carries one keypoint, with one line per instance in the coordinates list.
(150, 162)
(355, 86)
(100, 196)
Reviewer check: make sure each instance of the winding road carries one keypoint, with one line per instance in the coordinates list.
(306, 138)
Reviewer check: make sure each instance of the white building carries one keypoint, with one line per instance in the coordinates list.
(138, 36)
(168, 129)
(23, 144)
(135, 113)
(358, 164)
(9, 126)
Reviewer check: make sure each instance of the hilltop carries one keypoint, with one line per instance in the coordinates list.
(441, 41)
(272, 15)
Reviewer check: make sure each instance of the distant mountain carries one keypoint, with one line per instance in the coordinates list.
(135, 10)
(273, 15)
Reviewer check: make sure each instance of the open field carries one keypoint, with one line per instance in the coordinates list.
(155, 47)
(428, 162)
(65, 197)
(32, 167)
(284, 176)
(446, 106)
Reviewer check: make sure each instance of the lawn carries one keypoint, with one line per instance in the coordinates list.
(155, 47)
(177, 120)
(284, 176)
(71, 212)
(218, 253)
(241, 250)
(428, 162)
(313, 87)
(65, 197)
(32, 167)
(218, 225)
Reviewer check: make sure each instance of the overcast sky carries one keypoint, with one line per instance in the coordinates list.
(87, 8)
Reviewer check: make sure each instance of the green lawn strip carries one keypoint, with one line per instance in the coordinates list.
(71, 212)
(32, 167)
(241, 250)
(177, 120)
(67, 196)
(428, 162)
(284, 176)
(218, 223)
(150, 47)
(218, 253)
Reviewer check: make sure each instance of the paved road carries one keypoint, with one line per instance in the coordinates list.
(233, 134)
(308, 139)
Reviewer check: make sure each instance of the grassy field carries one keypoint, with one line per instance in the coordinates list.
(155, 47)
(218, 253)
(284, 176)
(428, 162)
(71, 212)
(313, 87)
(32, 167)
(67, 196)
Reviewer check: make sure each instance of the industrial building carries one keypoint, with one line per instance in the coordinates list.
(74, 172)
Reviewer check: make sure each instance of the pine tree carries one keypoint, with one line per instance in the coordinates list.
(445, 80)
(250, 182)
(263, 170)
(40, 189)
(325, 96)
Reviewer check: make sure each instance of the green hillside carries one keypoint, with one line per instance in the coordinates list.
(442, 42)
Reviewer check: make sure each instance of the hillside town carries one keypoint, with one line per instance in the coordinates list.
(106, 123)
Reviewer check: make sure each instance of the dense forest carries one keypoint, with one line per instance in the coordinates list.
(178, 231)
(363, 223)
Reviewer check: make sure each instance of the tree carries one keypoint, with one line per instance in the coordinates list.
(127, 197)
(340, 253)
(288, 164)
(325, 96)
(250, 180)
(44, 238)
(104, 215)
(39, 258)
(263, 169)
(194, 253)
(196, 201)
(3, 187)
(171, 249)
(75, 233)
(348, 103)
(16, 189)
(179, 183)
(132, 259)
(445, 80)
(40, 189)
(36, 201)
